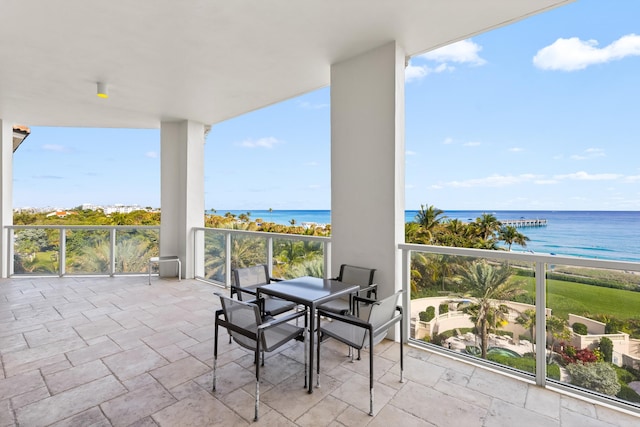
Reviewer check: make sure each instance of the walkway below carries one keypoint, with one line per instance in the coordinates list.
(117, 352)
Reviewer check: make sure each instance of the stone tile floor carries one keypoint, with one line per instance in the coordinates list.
(117, 352)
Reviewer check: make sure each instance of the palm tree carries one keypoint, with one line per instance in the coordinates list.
(429, 217)
(440, 268)
(415, 233)
(556, 326)
(487, 285)
(527, 319)
(510, 235)
(487, 225)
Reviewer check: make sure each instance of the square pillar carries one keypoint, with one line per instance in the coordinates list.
(368, 163)
(6, 193)
(182, 191)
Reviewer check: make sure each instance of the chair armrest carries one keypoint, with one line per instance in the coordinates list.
(275, 279)
(373, 288)
(282, 319)
(352, 320)
(249, 290)
(357, 298)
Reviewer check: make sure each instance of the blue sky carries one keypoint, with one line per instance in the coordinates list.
(542, 114)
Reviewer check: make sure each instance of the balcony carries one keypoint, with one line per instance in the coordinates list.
(447, 339)
(115, 351)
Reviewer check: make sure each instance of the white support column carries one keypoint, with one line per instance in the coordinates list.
(367, 163)
(182, 191)
(6, 192)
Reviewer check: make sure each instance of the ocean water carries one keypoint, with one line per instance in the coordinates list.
(611, 235)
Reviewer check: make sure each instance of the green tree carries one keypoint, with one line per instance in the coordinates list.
(598, 376)
(487, 225)
(510, 235)
(557, 328)
(527, 319)
(429, 217)
(487, 285)
(606, 347)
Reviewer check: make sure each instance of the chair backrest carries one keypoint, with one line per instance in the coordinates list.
(361, 276)
(381, 312)
(243, 316)
(248, 277)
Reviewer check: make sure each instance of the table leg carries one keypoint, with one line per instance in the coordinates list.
(312, 322)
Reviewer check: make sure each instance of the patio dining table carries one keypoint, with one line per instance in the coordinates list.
(310, 292)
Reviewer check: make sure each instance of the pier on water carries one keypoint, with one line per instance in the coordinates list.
(518, 223)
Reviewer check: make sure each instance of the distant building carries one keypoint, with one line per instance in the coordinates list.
(20, 133)
(62, 214)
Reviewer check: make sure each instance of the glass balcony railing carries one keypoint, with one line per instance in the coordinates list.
(78, 250)
(485, 306)
(289, 255)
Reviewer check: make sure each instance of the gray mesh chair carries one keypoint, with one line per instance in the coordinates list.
(366, 332)
(245, 325)
(357, 276)
(247, 280)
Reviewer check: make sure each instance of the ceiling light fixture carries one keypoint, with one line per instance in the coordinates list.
(102, 90)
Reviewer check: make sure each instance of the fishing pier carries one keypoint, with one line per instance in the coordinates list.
(520, 223)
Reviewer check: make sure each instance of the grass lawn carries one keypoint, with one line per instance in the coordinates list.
(569, 297)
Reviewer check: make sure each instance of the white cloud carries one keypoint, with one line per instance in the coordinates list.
(589, 153)
(545, 181)
(416, 72)
(574, 54)
(462, 52)
(632, 179)
(309, 106)
(151, 154)
(471, 144)
(584, 176)
(268, 142)
(448, 140)
(492, 181)
(516, 149)
(314, 186)
(55, 147)
(312, 163)
(410, 153)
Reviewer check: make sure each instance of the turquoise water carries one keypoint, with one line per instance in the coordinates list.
(611, 235)
(475, 351)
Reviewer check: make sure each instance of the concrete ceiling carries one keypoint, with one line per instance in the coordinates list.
(206, 60)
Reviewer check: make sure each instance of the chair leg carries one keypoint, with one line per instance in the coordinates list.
(257, 398)
(215, 362)
(371, 401)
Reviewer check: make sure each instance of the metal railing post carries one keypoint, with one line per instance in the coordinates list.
(227, 259)
(406, 295)
(10, 253)
(270, 255)
(112, 252)
(541, 324)
(326, 250)
(62, 252)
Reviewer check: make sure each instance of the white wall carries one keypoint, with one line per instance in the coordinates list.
(6, 191)
(367, 163)
(182, 191)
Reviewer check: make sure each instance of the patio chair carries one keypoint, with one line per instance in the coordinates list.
(366, 332)
(244, 323)
(247, 280)
(361, 276)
